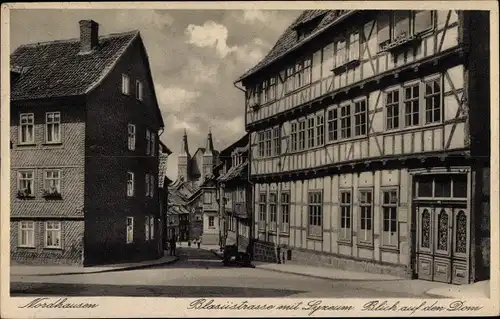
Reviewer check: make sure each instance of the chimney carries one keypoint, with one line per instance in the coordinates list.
(89, 35)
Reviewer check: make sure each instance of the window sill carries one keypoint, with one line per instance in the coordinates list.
(25, 197)
(52, 248)
(402, 43)
(346, 66)
(410, 129)
(316, 238)
(344, 242)
(392, 249)
(26, 144)
(365, 245)
(26, 247)
(52, 144)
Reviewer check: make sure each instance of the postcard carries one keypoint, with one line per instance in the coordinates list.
(249, 159)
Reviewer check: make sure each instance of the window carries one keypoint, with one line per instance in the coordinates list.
(366, 218)
(53, 234)
(207, 198)
(277, 141)
(320, 130)
(353, 53)
(151, 186)
(130, 184)
(290, 77)
(26, 181)
(310, 132)
(360, 118)
(27, 128)
(315, 214)
(261, 144)
(384, 29)
(153, 140)
(272, 211)
(432, 102)
(401, 24)
(52, 182)
(268, 142)
(345, 121)
(53, 127)
(340, 54)
(139, 90)
(125, 84)
(131, 137)
(302, 134)
(302, 73)
(254, 96)
(26, 234)
(422, 21)
(262, 211)
(293, 135)
(389, 208)
(147, 184)
(211, 221)
(345, 216)
(130, 230)
(146, 227)
(285, 212)
(332, 125)
(442, 186)
(148, 142)
(392, 109)
(411, 103)
(151, 227)
(271, 92)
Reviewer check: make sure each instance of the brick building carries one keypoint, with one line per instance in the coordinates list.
(85, 127)
(367, 133)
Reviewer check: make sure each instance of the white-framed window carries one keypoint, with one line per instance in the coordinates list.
(53, 127)
(151, 227)
(26, 128)
(290, 79)
(152, 185)
(310, 132)
(26, 183)
(131, 137)
(345, 121)
(139, 90)
(277, 140)
(146, 227)
(148, 142)
(211, 221)
(411, 103)
(262, 211)
(272, 211)
(333, 125)
(153, 141)
(340, 52)
(390, 217)
(360, 118)
(285, 212)
(365, 217)
(260, 143)
(392, 109)
(293, 136)
(315, 214)
(320, 130)
(432, 101)
(26, 237)
(130, 184)
(268, 138)
(397, 24)
(130, 230)
(52, 234)
(302, 134)
(207, 198)
(270, 91)
(345, 216)
(125, 84)
(52, 181)
(147, 185)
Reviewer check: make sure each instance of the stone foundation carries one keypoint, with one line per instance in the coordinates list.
(263, 251)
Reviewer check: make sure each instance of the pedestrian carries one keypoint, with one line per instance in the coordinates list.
(198, 242)
(172, 246)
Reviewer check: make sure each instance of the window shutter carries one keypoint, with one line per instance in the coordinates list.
(383, 27)
(423, 21)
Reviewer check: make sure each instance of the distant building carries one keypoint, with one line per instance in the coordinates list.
(369, 143)
(196, 186)
(85, 127)
(235, 189)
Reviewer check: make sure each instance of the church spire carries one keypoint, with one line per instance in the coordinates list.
(184, 147)
(209, 148)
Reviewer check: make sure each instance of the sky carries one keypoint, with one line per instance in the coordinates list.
(195, 57)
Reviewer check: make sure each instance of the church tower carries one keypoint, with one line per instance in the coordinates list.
(184, 160)
(208, 157)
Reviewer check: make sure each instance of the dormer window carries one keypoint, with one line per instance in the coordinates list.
(306, 28)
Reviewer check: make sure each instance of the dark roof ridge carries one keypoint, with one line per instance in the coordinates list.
(104, 36)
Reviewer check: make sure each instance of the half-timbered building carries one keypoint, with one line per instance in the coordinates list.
(369, 143)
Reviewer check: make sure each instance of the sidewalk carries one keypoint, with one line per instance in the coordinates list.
(381, 282)
(54, 270)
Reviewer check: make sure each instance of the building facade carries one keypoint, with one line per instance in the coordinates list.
(196, 185)
(235, 191)
(163, 182)
(85, 125)
(368, 148)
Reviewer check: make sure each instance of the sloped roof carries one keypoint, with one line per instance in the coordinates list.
(289, 40)
(56, 69)
(234, 172)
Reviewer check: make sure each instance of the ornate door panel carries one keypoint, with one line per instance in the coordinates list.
(442, 243)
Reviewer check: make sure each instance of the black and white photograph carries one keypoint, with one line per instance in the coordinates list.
(238, 157)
